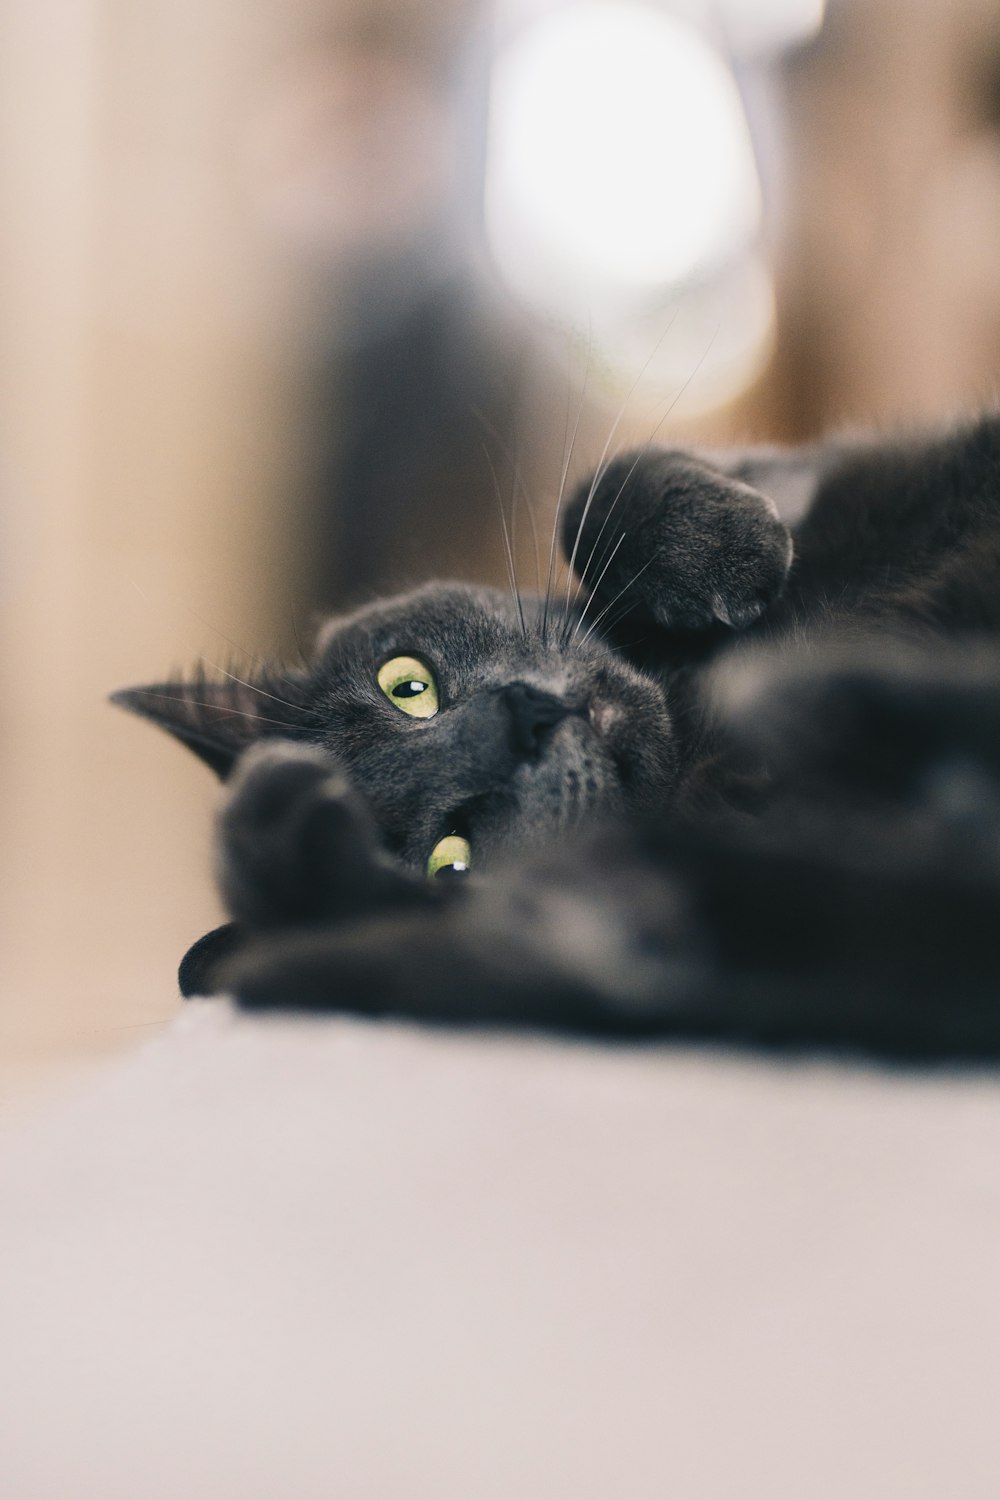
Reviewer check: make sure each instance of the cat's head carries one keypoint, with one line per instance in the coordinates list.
(450, 716)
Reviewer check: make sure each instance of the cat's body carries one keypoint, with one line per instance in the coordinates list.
(746, 786)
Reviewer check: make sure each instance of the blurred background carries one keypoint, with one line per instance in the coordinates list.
(289, 290)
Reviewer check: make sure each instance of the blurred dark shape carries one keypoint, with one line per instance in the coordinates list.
(405, 489)
(368, 163)
(884, 145)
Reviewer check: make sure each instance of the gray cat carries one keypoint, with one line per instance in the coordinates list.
(743, 784)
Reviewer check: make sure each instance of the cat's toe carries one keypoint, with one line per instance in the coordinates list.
(725, 564)
(678, 543)
(746, 553)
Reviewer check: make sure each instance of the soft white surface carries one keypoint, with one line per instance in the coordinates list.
(337, 1261)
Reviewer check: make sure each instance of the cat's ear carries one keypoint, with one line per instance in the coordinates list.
(219, 720)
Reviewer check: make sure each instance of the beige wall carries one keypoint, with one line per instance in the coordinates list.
(889, 250)
(164, 204)
(142, 460)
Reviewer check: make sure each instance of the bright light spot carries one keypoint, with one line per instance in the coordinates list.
(698, 349)
(619, 156)
(765, 25)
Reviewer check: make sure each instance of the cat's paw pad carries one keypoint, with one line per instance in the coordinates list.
(666, 537)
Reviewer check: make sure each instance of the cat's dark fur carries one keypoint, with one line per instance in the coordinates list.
(750, 789)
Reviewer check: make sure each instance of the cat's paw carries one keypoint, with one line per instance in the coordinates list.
(589, 936)
(667, 538)
(297, 843)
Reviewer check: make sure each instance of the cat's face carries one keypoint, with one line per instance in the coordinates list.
(526, 737)
(451, 720)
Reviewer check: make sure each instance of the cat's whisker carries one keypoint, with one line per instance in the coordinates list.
(602, 461)
(530, 509)
(518, 481)
(513, 510)
(243, 651)
(297, 638)
(637, 640)
(559, 495)
(222, 708)
(641, 454)
(634, 579)
(511, 570)
(567, 460)
(613, 621)
(597, 584)
(285, 702)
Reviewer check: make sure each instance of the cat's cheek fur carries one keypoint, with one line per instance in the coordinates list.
(636, 727)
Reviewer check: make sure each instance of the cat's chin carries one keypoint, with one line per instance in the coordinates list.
(574, 780)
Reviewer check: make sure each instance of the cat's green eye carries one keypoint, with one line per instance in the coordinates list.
(409, 684)
(450, 856)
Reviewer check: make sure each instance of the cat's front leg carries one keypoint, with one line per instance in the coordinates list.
(296, 847)
(298, 844)
(864, 939)
(672, 540)
(579, 937)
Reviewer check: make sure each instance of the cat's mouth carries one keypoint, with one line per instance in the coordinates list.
(535, 775)
(574, 774)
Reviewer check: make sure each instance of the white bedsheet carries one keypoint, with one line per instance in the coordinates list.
(328, 1260)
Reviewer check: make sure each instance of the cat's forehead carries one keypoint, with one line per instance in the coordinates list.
(444, 619)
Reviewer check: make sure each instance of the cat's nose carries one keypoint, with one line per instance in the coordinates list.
(533, 716)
